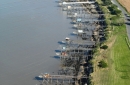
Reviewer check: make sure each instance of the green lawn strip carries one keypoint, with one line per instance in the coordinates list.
(121, 60)
(118, 72)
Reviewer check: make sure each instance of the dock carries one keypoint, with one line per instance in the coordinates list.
(75, 55)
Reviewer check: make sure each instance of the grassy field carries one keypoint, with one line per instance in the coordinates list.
(126, 4)
(117, 57)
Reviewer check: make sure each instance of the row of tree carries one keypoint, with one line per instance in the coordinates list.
(114, 10)
(112, 7)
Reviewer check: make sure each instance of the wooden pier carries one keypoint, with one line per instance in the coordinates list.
(60, 79)
(89, 21)
(65, 3)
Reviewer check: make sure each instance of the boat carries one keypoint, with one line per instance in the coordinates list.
(58, 54)
(75, 33)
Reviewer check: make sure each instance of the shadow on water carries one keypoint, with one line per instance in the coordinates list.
(57, 1)
(72, 34)
(37, 78)
(57, 50)
(61, 42)
(73, 28)
(69, 17)
(57, 6)
(72, 23)
(56, 57)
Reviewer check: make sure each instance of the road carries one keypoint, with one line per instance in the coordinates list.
(125, 16)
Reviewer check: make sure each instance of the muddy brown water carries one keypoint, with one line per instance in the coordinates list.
(29, 32)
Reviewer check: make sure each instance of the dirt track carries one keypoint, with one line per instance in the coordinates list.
(126, 4)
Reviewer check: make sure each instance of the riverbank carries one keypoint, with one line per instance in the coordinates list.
(117, 58)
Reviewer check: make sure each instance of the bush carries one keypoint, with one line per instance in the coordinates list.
(113, 9)
(106, 2)
(94, 51)
(104, 47)
(102, 64)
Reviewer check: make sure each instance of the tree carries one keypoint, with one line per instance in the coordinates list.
(95, 50)
(113, 9)
(107, 2)
(104, 47)
(102, 64)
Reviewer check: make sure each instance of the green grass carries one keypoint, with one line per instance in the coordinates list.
(120, 55)
(118, 59)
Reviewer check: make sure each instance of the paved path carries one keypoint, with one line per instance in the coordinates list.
(125, 16)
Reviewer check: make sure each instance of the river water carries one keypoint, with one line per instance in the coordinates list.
(29, 35)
